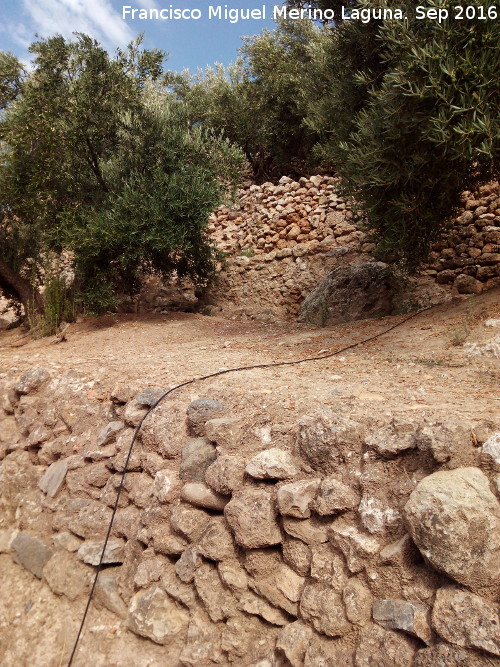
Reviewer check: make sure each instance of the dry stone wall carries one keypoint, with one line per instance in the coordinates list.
(281, 240)
(335, 540)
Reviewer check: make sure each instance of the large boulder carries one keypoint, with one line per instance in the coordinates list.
(352, 292)
(454, 519)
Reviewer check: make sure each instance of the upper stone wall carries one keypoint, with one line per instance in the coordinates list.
(280, 240)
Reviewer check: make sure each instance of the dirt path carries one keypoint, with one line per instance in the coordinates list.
(420, 366)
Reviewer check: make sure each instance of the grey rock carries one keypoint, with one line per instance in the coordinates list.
(106, 593)
(53, 478)
(352, 292)
(30, 552)
(196, 456)
(411, 617)
(467, 620)
(251, 515)
(187, 564)
(467, 284)
(272, 463)
(150, 396)
(200, 411)
(90, 552)
(32, 380)
(454, 519)
(333, 497)
(201, 495)
(108, 434)
(154, 615)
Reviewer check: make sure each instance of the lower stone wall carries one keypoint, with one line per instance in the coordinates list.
(338, 539)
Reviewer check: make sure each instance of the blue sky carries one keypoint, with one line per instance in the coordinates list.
(190, 43)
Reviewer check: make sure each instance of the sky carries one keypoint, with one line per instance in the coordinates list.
(190, 42)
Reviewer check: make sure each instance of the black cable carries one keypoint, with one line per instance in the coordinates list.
(184, 384)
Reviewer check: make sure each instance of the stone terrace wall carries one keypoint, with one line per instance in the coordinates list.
(282, 239)
(340, 540)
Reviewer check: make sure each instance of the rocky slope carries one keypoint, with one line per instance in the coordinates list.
(340, 512)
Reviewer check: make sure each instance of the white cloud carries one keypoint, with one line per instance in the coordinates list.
(96, 18)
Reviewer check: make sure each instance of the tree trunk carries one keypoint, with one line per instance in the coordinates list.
(28, 295)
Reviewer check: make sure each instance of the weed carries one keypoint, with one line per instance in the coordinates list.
(246, 252)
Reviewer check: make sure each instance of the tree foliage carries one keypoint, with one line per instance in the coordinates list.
(97, 159)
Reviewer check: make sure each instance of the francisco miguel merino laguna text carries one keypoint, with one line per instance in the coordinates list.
(233, 14)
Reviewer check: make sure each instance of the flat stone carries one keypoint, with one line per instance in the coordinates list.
(32, 380)
(106, 593)
(53, 478)
(154, 615)
(297, 554)
(30, 552)
(378, 647)
(216, 541)
(233, 576)
(217, 600)
(200, 411)
(357, 601)
(467, 620)
(90, 552)
(187, 564)
(293, 641)
(454, 519)
(226, 474)
(225, 431)
(108, 434)
(411, 617)
(167, 485)
(447, 655)
(189, 522)
(491, 449)
(252, 604)
(252, 516)
(201, 495)
(358, 548)
(310, 531)
(394, 439)
(333, 497)
(295, 499)
(323, 608)
(272, 463)
(196, 456)
(66, 576)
